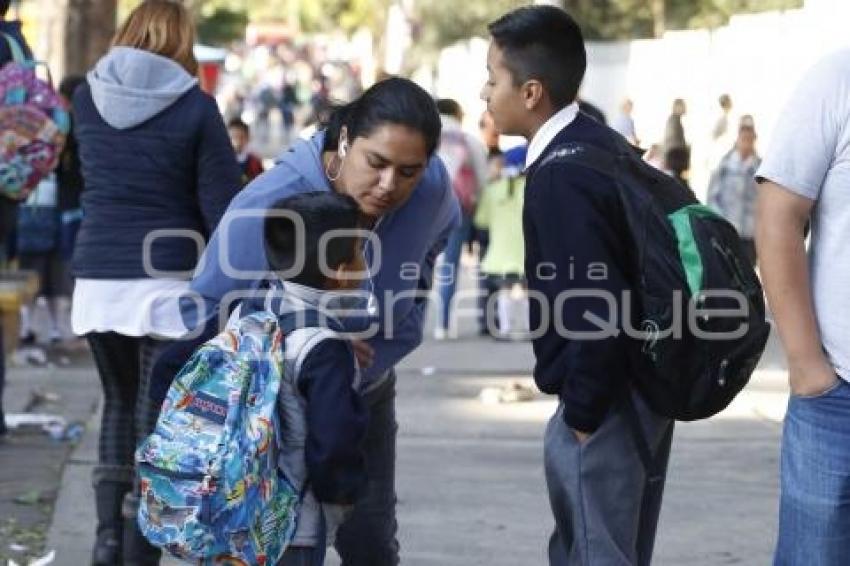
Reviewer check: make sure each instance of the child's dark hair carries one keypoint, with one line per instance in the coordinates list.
(321, 212)
(546, 44)
(392, 101)
(239, 124)
(4, 7)
(449, 107)
(70, 84)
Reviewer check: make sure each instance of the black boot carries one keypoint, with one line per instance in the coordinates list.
(137, 550)
(109, 496)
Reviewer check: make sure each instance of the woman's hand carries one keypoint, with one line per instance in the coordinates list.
(364, 353)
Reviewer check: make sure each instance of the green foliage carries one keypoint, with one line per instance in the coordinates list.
(686, 14)
(311, 15)
(442, 23)
(629, 19)
(222, 26)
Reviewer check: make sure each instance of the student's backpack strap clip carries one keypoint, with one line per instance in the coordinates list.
(583, 154)
(18, 55)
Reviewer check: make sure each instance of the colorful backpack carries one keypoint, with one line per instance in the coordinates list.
(33, 124)
(210, 486)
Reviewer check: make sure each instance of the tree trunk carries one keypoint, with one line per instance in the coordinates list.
(659, 18)
(89, 27)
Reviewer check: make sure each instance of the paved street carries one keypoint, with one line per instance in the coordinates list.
(470, 475)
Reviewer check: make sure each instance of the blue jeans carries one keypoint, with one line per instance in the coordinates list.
(814, 509)
(368, 537)
(448, 269)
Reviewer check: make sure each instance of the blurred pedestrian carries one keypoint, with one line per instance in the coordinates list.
(69, 177)
(465, 158)
(489, 137)
(677, 151)
(8, 207)
(38, 251)
(500, 213)
(732, 189)
(722, 126)
(249, 163)
(624, 124)
(724, 133)
(155, 157)
(804, 179)
(46, 232)
(487, 287)
(288, 106)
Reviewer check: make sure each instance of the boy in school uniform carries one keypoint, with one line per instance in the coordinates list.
(579, 260)
(322, 415)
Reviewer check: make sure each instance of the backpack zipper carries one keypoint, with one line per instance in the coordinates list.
(199, 476)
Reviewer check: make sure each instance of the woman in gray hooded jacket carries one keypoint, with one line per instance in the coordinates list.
(159, 172)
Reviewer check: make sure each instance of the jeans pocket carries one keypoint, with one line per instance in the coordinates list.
(829, 391)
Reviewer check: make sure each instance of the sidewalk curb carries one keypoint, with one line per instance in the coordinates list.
(73, 513)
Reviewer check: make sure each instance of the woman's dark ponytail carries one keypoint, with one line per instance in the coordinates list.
(339, 116)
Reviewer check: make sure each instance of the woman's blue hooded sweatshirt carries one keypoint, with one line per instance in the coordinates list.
(410, 239)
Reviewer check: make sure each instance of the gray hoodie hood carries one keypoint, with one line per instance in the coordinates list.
(130, 86)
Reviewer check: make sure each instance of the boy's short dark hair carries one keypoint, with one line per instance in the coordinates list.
(546, 44)
(449, 107)
(4, 7)
(321, 211)
(239, 124)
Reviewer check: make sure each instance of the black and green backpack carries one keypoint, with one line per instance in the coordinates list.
(697, 311)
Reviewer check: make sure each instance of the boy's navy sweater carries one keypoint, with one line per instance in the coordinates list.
(577, 241)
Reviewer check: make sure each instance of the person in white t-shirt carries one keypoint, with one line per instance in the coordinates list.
(805, 180)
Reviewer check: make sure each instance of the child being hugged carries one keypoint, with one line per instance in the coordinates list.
(323, 419)
(211, 485)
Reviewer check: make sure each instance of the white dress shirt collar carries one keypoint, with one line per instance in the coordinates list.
(548, 131)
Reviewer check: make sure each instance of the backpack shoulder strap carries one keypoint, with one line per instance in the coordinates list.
(292, 321)
(18, 55)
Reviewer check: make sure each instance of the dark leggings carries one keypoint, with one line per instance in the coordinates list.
(124, 364)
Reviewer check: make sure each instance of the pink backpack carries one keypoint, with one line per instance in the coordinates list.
(457, 157)
(33, 124)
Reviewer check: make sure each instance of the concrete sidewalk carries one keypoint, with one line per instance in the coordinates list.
(31, 462)
(470, 475)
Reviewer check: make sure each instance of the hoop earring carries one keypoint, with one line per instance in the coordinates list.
(334, 177)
